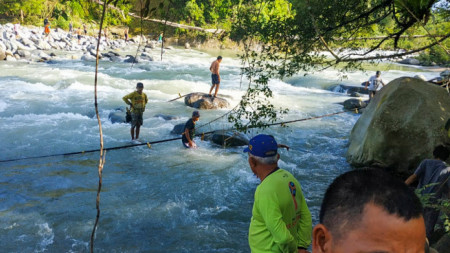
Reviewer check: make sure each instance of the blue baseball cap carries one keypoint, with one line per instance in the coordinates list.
(262, 145)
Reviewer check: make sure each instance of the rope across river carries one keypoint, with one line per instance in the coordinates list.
(171, 139)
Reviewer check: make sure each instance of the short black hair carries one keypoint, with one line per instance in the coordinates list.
(219, 57)
(345, 199)
(441, 152)
(139, 85)
(378, 72)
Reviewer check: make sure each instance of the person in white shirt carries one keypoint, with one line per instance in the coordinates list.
(374, 83)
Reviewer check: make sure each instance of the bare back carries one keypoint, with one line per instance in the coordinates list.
(215, 67)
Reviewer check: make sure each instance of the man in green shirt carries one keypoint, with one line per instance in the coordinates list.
(281, 220)
(137, 101)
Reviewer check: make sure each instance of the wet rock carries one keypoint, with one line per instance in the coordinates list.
(178, 129)
(229, 138)
(130, 59)
(421, 77)
(401, 126)
(146, 56)
(119, 115)
(355, 95)
(87, 57)
(342, 88)
(353, 103)
(24, 53)
(205, 101)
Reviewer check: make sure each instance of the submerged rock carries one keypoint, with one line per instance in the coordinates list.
(410, 61)
(178, 129)
(205, 101)
(166, 117)
(342, 88)
(229, 138)
(119, 116)
(401, 126)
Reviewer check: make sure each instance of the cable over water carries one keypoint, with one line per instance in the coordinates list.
(173, 139)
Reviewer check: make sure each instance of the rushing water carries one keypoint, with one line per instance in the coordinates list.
(163, 199)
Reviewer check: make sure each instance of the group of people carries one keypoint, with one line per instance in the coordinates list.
(364, 210)
(137, 101)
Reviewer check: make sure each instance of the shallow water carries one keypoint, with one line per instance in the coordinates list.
(161, 199)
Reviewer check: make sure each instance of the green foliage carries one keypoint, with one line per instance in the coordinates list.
(443, 205)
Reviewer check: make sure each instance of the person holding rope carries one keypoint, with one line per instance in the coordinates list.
(215, 76)
(189, 131)
(137, 101)
(281, 220)
(434, 179)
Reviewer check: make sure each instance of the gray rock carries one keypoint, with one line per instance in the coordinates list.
(115, 59)
(130, 59)
(44, 56)
(178, 129)
(88, 57)
(229, 138)
(410, 61)
(146, 56)
(445, 74)
(166, 117)
(24, 53)
(353, 103)
(355, 95)
(443, 245)
(204, 101)
(401, 126)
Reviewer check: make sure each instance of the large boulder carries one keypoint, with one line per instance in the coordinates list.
(400, 126)
(229, 138)
(119, 115)
(205, 101)
(2, 55)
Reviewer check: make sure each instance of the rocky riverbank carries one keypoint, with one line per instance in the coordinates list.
(31, 44)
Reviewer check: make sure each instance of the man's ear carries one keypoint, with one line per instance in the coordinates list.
(252, 162)
(322, 239)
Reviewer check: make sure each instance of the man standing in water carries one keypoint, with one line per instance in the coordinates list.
(215, 76)
(373, 84)
(281, 221)
(189, 131)
(137, 101)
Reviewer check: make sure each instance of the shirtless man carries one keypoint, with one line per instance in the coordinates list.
(215, 76)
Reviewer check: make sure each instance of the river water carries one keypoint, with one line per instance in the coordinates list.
(163, 199)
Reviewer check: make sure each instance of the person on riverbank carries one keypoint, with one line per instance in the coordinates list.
(434, 180)
(215, 75)
(189, 131)
(70, 28)
(45, 21)
(47, 29)
(373, 84)
(125, 34)
(368, 210)
(79, 35)
(85, 29)
(16, 29)
(281, 220)
(137, 101)
(105, 32)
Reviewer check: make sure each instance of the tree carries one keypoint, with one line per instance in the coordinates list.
(294, 34)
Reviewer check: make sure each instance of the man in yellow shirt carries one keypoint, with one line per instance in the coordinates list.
(137, 101)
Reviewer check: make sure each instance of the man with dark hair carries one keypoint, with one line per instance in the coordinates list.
(373, 83)
(137, 101)
(368, 210)
(189, 131)
(215, 75)
(434, 178)
(281, 221)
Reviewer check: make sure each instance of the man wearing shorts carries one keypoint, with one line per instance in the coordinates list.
(373, 84)
(189, 131)
(215, 76)
(137, 101)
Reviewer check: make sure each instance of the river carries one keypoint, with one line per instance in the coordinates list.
(163, 199)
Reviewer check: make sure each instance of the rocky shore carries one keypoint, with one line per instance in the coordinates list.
(31, 44)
